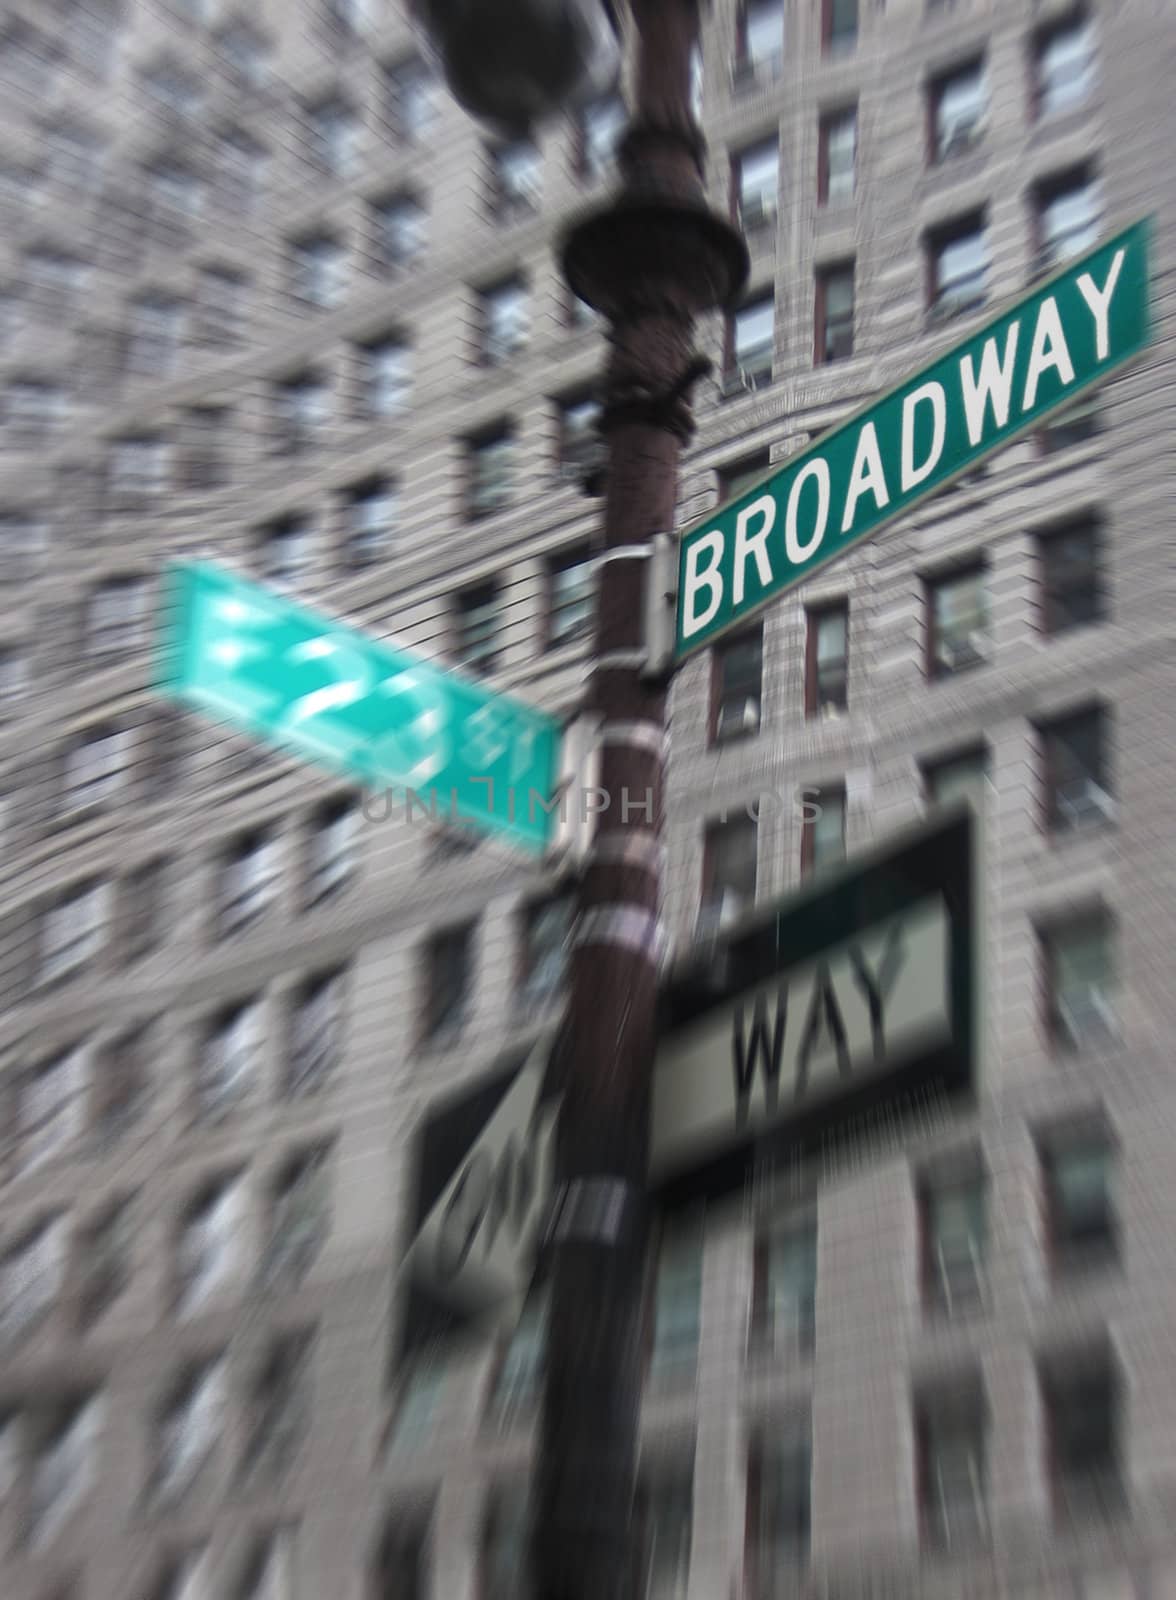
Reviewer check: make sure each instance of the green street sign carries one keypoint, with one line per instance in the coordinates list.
(1087, 320)
(331, 695)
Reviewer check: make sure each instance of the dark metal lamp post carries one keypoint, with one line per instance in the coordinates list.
(650, 260)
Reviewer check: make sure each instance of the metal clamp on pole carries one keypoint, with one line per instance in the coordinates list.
(591, 1211)
(661, 604)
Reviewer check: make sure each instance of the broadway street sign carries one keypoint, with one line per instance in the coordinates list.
(841, 1000)
(1068, 335)
(331, 695)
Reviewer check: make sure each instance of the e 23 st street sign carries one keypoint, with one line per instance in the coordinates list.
(333, 696)
(1065, 337)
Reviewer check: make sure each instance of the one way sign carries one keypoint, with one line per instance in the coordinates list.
(484, 1181)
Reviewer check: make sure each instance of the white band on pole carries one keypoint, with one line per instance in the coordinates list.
(628, 927)
(649, 736)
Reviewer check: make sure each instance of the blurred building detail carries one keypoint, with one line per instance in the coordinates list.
(268, 296)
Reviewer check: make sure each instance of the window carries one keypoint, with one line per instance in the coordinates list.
(1076, 771)
(241, 178)
(491, 464)
(317, 1034)
(400, 1568)
(1069, 219)
(760, 41)
(578, 313)
(504, 1546)
(73, 931)
(54, 281)
(154, 338)
(189, 1428)
(386, 377)
(1070, 426)
(221, 306)
(415, 97)
(73, 156)
(50, 1106)
(175, 193)
(245, 51)
(172, 89)
(737, 476)
(103, 1260)
(144, 899)
(318, 271)
(249, 880)
(401, 230)
(32, 1271)
(785, 1321)
(1081, 982)
(138, 468)
(1081, 1400)
(34, 409)
(279, 1405)
(505, 321)
(287, 551)
(757, 180)
(515, 180)
(728, 873)
(601, 125)
(449, 960)
(335, 135)
(14, 679)
(958, 109)
(696, 82)
(520, 1370)
(186, 1577)
(571, 596)
(827, 660)
(955, 777)
(229, 1061)
(23, 545)
(302, 407)
(1076, 1171)
(208, 1246)
(738, 685)
(837, 157)
(547, 934)
(299, 1218)
(958, 265)
(205, 436)
(122, 1084)
(420, 1390)
(580, 447)
(371, 516)
(839, 24)
(676, 1310)
(478, 630)
(950, 1429)
(822, 838)
(664, 1517)
(63, 1457)
(835, 314)
(1064, 66)
(752, 335)
(957, 623)
(780, 1511)
(1070, 576)
(332, 849)
(953, 1220)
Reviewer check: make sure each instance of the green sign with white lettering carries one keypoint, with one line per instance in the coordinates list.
(383, 716)
(1073, 330)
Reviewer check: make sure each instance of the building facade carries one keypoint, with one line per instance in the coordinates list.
(267, 296)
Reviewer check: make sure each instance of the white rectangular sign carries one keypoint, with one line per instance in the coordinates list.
(800, 1037)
